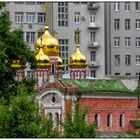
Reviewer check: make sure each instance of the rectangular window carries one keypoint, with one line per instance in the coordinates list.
(137, 23)
(127, 24)
(137, 59)
(137, 75)
(64, 53)
(77, 17)
(137, 6)
(137, 41)
(62, 14)
(93, 73)
(92, 17)
(128, 74)
(127, 60)
(117, 60)
(93, 56)
(30, 17)
(116, 24)
(30, 37)
(116, 6)
(116, 41)
(92, 36)
(127, 6)
(127, 41)
(41, 17)
(29, 74)
(19, 17)
(117, 74)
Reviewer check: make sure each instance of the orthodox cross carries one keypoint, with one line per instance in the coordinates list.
(46, 16)
(77, 36)
(54, 33)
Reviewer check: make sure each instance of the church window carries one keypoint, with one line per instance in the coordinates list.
(53, 99)
(121, 120)
(97, 120)
(109, 120)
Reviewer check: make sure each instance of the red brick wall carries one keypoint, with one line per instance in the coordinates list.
(104, 106)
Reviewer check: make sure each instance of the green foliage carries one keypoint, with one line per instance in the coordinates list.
(12, 46)
(75, 125)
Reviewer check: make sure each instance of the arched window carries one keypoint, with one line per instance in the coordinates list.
(49, 115)
(121, 120)
(97, 120)
(53, 69)
(109, 120)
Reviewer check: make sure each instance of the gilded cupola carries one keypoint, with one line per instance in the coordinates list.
(78, 59)
(50, 43)
(16, 64)
(42, 59)
(60, 62)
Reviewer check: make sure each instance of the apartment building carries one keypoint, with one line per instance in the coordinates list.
(123, 38)
(28, 16)
(89, 19)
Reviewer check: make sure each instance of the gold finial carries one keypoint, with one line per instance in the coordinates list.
(46, 16)
(77, 36)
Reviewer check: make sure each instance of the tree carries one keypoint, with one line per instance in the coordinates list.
(75, 125)
(12, 47)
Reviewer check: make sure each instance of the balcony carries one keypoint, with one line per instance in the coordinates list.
(93, 6)
(93, 45)
(94, 64)
(93, 25)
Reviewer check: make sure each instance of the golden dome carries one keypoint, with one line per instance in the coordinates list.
(48, 41)
(16, 64)
(78, 59)
(42, 59)
(60, 62)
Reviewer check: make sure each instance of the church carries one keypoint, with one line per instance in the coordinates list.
(110, 102)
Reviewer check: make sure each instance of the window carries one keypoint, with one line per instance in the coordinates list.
(137, 75)
(92, 36)
(93, 73)
(117, 74)
(64, 53)
(127, 60)
(116, 24)
(62, 14)
(19, 17)
(30, 17)
(30, 37)
(137, 41)
(77, 17)
(117, 60)
(41, 17)
(137, 59)
(109, 120)
(128, 74)
(137, 6)
(116, 6)
(127, 41)
(121, 120)
(127, 24)
(137, 23)
(97, 120)
(116, 41)
(29, 74)
(92, 56)
(127, 6)
(92, 17)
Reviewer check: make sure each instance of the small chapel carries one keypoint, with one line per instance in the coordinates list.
(111, 103)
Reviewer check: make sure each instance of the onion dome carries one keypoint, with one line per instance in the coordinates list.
(42, 59)
(78, 59)
(60, 62)
(48, 41)
(16, 64)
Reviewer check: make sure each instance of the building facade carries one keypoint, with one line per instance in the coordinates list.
(123, 38)
(64, 18)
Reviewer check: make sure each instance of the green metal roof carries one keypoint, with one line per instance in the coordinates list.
(97, 85)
